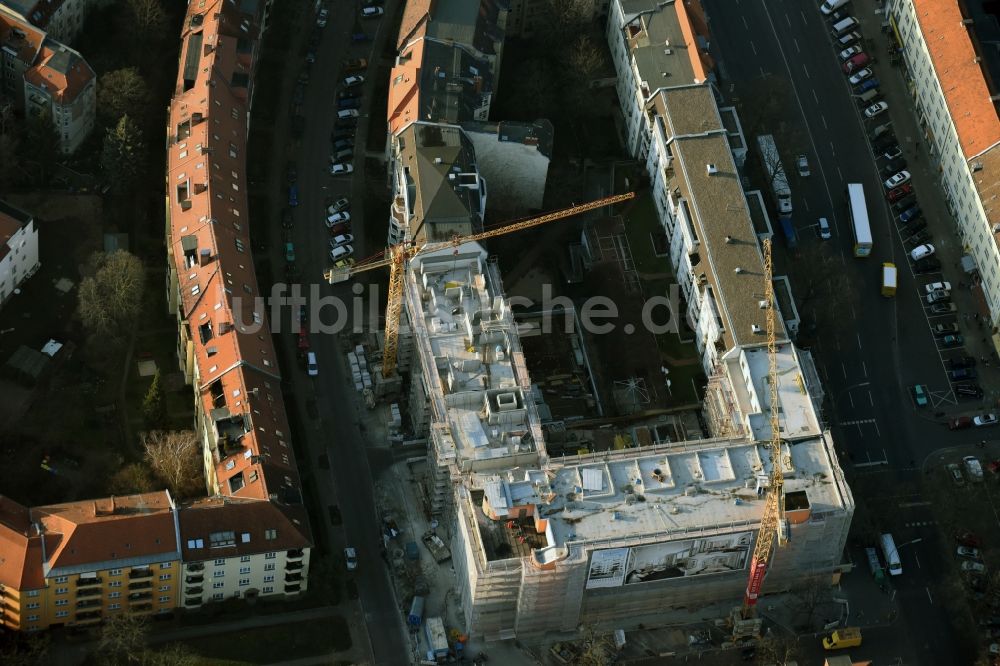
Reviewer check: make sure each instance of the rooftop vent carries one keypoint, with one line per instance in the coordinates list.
(977, 166)
(762, 303)
(738, 270)
(729, 239)
(711, 169)
(755, 328)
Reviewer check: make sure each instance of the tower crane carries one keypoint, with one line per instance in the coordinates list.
(770, 524)
(397, 256)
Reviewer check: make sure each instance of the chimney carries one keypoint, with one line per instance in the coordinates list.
(711, 169)
(206, 256)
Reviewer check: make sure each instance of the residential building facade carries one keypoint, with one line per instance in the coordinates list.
(18, 251)
(952, 78)
(61, 19)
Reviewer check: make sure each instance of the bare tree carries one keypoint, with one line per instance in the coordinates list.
(123, 639)
(774, 649)
(565, 18)
(175, 654)
(110, 297)
(148, 18)
(175, 457)
(596, 649)
(122, 92)
(131, 479)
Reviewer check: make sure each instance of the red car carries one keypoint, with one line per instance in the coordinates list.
(340, 228)
(969, 539)
(960, 423)
(855, 62)
(898, 193)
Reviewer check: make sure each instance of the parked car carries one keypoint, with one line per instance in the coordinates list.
(969, 390)
(855, 62)
(349, 94)
(352, 81)
(928, 288)
(967, 538)
(893, 153)
(287, 220)
(355, 65)
(976, 567)
(961, 375)
(925, 266)
(341, 252)
(350, 558)
(859, 76)
(943, 308)
(321, 19)
(918, 237)
(337, 218)
(311, 55)
(343, 114)
(952, 341)
(960, 362)
(344, 263)
(866, 85)
(966, 551)
(955, 472)
(898, 193)
(959, 423)
(904, 204)
(311, 366)
(876, 109)
(343, 144)
(850, 51)
(291, 173)
(884, 140)
(293, 195)
(849, 38)
(921, 252)
(920, 395)
(339, 205)
(894, 166)
(343, 239)
(945, 329)
(371, 12)
(289, 252)
(937, 296)
(341, 169)
(353, 103)
(340, 228)
(346, 123)
(985, 420)
(909, 214)
(341, 135)
(802, 162)
(898, 179)
(342, 156)
(360, 37)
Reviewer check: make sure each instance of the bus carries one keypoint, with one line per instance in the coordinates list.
(775, 173)
(891, 555)
(859, 220)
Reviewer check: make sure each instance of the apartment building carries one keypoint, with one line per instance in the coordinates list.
(655, 45)
(18, 249)
(224, 344)
(43, 76)
(78, 563)
(513, 157)
(61, 19)
(952, 68)
(438, 192)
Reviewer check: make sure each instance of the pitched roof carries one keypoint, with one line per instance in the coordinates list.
(61, 71)
(20, 36)
(960, 73)
(238, 381)
(228, 526)
(20, 562)
(110, 529)
(11, 221)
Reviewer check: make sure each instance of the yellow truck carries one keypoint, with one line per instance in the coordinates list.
(889, 276)
(843, 638)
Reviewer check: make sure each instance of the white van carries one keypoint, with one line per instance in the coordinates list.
(846, 40)
(348, 113)
(311, 366)
(846, 25)
(830, 6)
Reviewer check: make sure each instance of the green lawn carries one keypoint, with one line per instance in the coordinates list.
(274, 644)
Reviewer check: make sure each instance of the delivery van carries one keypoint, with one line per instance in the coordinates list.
(889, 275)
(843, 638)
(846, 25)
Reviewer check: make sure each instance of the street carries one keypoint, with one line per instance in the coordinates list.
(870, 349)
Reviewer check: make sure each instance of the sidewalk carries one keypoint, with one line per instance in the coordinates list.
(924, 169)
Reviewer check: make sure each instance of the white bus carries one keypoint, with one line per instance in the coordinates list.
(859, 220)
(775, 173)
(891, 555)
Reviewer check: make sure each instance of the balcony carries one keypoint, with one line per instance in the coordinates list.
(293, 566)
(89, 603)
(292, 589)
(140, 596)
(195, 567)
(145, 585)
(88, 582)
(89, 592)
(192, 602)
(294, 554)
(194, 580)
(294, 577)
(193, 590)
(89, 617)
(139, 574)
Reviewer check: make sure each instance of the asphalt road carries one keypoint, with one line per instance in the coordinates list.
(870, 350)
(333, 428)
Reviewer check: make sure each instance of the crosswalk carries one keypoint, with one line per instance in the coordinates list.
(857, 422)
(921, 523)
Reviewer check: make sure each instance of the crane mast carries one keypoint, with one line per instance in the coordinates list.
(400, 254)
(770, 522)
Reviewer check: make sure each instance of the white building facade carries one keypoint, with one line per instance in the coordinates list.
(19, 252)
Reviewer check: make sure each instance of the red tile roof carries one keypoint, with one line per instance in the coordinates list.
(108, 529)
(404, 87)
(26, 47)
(20, 560)
(236, 370)
(416, 14)
(953, 54)
(257, 526)
(62, 71)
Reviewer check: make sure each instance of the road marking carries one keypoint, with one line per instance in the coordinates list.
(789, 20)
(877, 431)
(795, 41)
(745, 25)
(859, 344)
(871, 402)
(803, 14)
(921, 523)
(755, 53)
(840, 174)
(833, 150)
(864, 367)
(857, 422)
(844, 368)
(806, 204)
(929, 595)
(851, 398)
(806, 70)
(823, 118)
(919, 567)
(906, 505)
